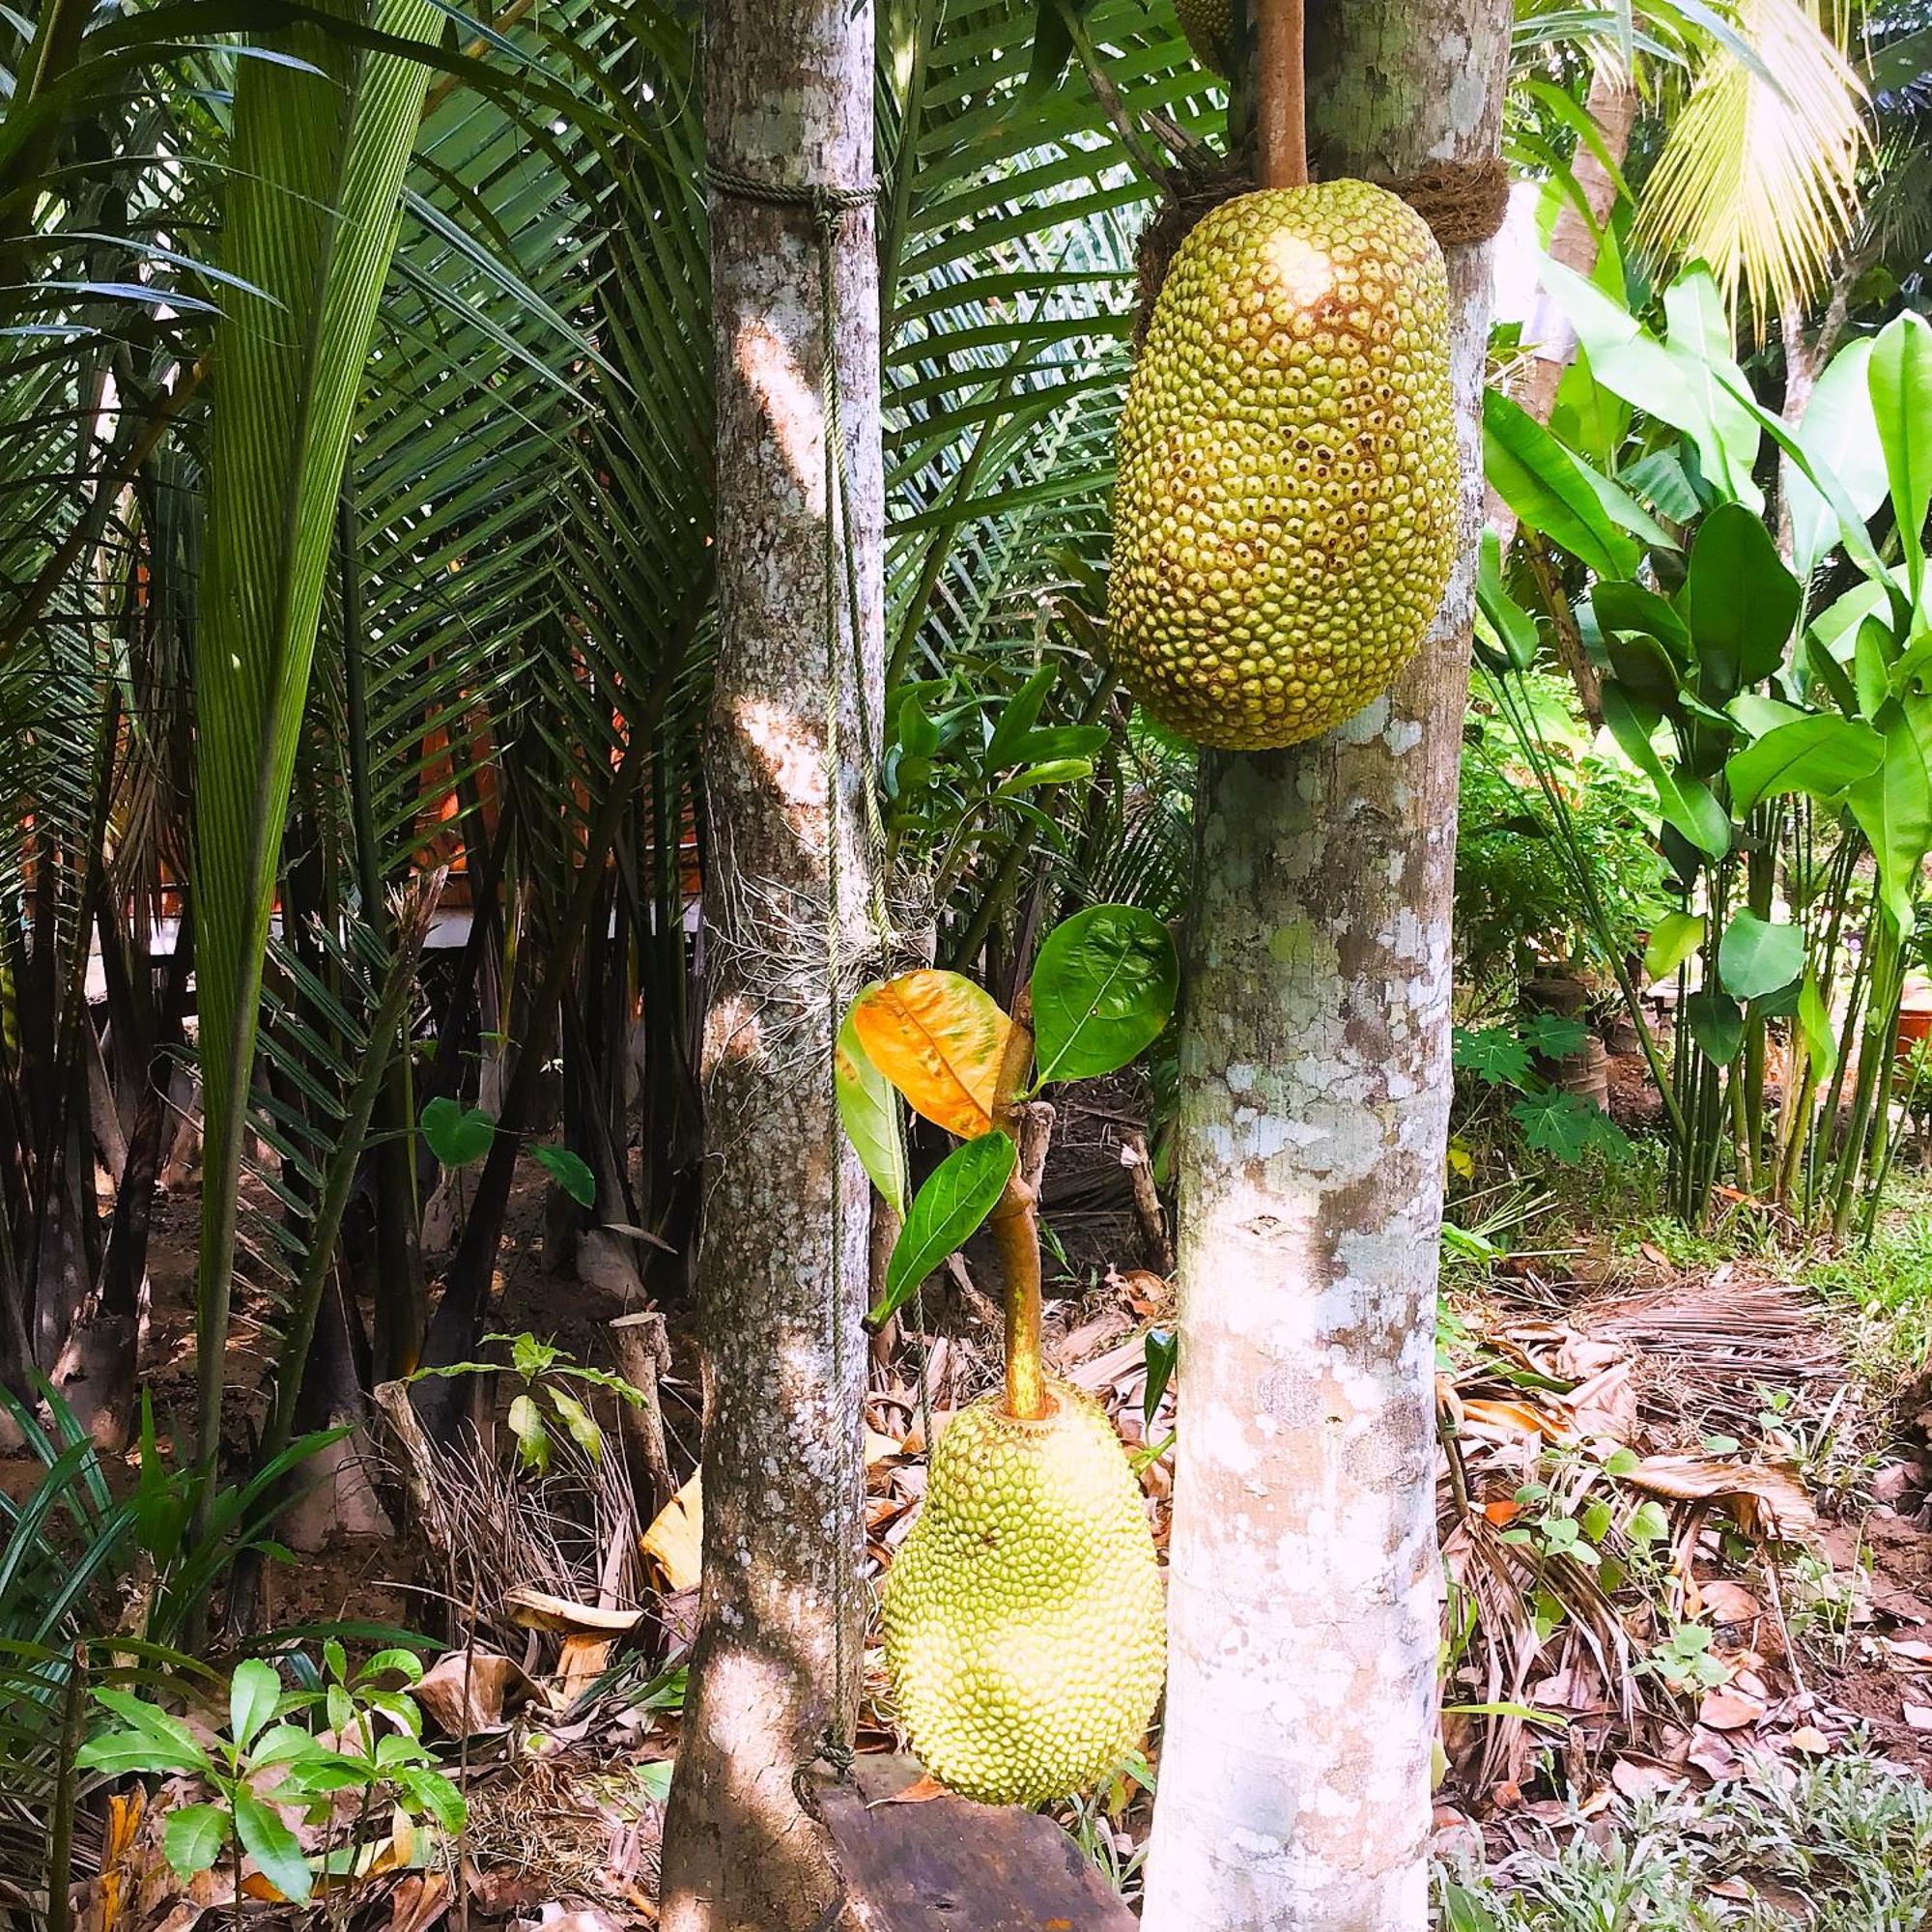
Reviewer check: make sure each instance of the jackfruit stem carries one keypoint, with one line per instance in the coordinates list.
(1015, 1227)
(1280, 108)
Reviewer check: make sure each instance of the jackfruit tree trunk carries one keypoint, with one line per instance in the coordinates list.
(783, 1256)
(1293, 1788)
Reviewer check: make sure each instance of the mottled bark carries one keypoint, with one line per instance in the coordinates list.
(1313, 1120)
(782, 1261)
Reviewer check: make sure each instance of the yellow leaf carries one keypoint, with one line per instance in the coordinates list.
(939, 1039)
(676, 1540)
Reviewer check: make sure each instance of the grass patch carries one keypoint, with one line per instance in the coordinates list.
(1844, 1845)
(1885, 1293)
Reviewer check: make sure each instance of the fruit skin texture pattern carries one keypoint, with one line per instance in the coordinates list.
(1288, 505)
(1025, 1624)
(1209, 25)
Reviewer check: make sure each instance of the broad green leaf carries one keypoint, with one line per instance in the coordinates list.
(1564, 1125)
(1741, 602)
(580, 1424)
(1162, 1350)
(1840, 434)
(458, 1136)
(940, 1039)
(570, 1173)
(1699, 343)
(1820, 755)
(1104, 989)
(1756, 957)
(252, 1696)
(1687, 803)
(1717, 1023)
(193, 1838)
(1894, 808)
(1672, 940)
(1494, 1054)
(271, 1845)
(1900, 376)
(1547, 489)
(1820, 1039)
(526, 1425)
(869, 1106)
(1514, 627)
(958, 1195)
(1554, 1035)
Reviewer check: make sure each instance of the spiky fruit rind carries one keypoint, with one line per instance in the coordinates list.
(1210, 27)
(1288, 504)
(1024, 1624)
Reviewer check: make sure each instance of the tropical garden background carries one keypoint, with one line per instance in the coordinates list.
(350, 1145)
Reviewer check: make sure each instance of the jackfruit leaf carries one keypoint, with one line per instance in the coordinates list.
(1893, 806)
(1820, 755)
(1672, 940)
(1756, 957)
(1163, 1348)
(569, 1172)
(1741, 602)
(1103, 990)
(958, 1195)
(193, 1838)
(274, 1847)
(868, 1105)
(1685, 802)
(458, 1136)
(526, 1425)
(1717, 1023)
(580, 1422)
(939, 1039)
(252, 1695)
(1900, 374)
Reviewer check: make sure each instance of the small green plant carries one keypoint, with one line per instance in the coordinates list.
(263, 1760)
(1684, 1660)
(461, 1136)
(1551, 1119)
(544, 1369)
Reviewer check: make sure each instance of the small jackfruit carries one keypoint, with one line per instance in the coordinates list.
(1288, 505)
(1210, 27)
(1023, 1618)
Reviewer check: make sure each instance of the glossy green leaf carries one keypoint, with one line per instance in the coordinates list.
(1161, 1350)
(1717, 1023)
(569, 1171)
(1549, 490)
(1894, 808)
(869, 1108)
(1687, 803)
(193, 1838)
(1741, 602)
(1756, 958)
(1672, 940)
(1900, 376)
(1104, 989)
(1820, 755)
(458, 1136)
(271, 1845)
(958, 1195)
(1820, 1039)
(1840, 434)
(252, 1696)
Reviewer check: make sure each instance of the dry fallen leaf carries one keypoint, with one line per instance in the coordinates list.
(1729, 1709)
(1919, 1716)
(919, 1792)
(1767, 1499)
(1729, 1602)
(674, 1543)
(1808, 1737)
(467, 1692)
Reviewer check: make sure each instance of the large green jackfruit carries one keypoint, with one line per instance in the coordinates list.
(1024, 1621)
(1288, 504)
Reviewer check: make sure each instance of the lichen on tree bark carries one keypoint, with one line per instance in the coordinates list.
(788, 89)
(1313, 1120)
